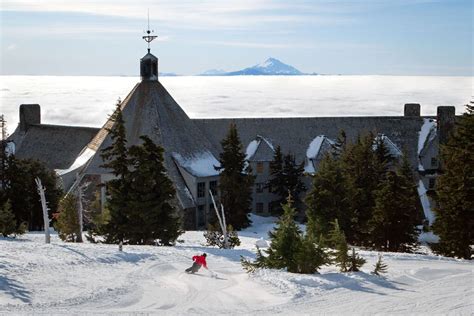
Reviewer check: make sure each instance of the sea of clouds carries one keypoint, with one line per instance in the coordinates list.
(87, 101)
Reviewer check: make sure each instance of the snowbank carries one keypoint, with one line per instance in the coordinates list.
(201, 165)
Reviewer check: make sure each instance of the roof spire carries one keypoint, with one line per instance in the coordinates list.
(148, 38)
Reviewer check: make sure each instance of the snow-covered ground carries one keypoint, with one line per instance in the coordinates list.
(64, 278)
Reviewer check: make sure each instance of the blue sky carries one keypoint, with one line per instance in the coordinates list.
(100, 37)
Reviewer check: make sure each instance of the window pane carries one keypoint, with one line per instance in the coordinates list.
(201, 189)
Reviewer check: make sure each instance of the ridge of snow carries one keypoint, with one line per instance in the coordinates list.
(81, 160)
(267, 142)
(251, 148)
(392, 147)
(425, 203)
(428, 125)
(200, 165)
(315, 146)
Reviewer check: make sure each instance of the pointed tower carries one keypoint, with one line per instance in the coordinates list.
(189, 156)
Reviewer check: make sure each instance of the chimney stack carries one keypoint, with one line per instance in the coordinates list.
(446, 117)
(30, 114)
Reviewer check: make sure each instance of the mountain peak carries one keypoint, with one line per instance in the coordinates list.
(269, 67)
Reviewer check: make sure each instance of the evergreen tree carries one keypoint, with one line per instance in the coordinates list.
(340, 145)
(454, 223)
(276, 184)
(285, 176)
(355, 262)
(289, 248)
(393, 224)
(8, 224)
(310, 256)
(215, 237)
(337, 240)
(285, 240)
(360, 166)
(383, 157)
(150, 213)
(22, 192)
(328, 198)
(115, 157)
(67, 221)
(380, 267)
(236, 181)
(292, 175)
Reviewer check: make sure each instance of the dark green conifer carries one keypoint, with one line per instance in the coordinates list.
(328, 198)
(67, 221)
(8, 224)
(337, 240)
(236, 181)
(151, 214)
(285, 240)
(454, 223)
(380, 267)
(355, 262)
(115, 158)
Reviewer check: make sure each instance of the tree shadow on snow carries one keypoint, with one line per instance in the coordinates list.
(358, 281)
(14, 288)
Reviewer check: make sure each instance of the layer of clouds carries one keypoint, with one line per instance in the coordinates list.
(87, 101)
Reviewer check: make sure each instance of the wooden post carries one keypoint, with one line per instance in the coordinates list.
(44, 205)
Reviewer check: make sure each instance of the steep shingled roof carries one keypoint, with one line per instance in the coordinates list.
(150, 110)
(55, 145)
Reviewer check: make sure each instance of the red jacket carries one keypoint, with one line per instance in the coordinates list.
(200, 260)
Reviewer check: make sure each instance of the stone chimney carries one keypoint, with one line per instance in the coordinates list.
(30, 114)
(412, 109)
(446, 117)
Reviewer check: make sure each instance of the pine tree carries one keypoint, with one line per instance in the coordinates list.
(259, 263)
(337, 239)
(393, 224)
(236, 181)
(67, 222)
(328, 198)
(383, 157)
(360, 167)
(285, 176)
(115, 158)
(285, 241)
(150, 214)
(355, 262)
(454, 223)
(276, 184)
(310, 256)
(8, 225)
(292, 175)
(380, 267)
(22, 192)
(340, 145)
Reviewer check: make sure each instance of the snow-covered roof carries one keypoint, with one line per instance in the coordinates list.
(319, 144)
(256, 152)
(80, 161)
(199, 165)
(427, 131)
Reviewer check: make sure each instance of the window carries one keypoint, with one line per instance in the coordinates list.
(259, 208)
(434, 162)
(201, 189)
(432, 183)
(213, 187)
(260, 187)
(259, 167)
(201, 216)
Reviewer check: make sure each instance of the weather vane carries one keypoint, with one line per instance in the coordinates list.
(148, 38)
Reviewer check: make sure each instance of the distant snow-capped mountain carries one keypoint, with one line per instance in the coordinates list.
(270, 67)
(213, 72)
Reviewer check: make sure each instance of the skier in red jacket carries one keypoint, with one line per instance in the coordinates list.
(198, 262)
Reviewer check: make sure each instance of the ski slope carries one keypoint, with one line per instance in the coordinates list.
(64, 278)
